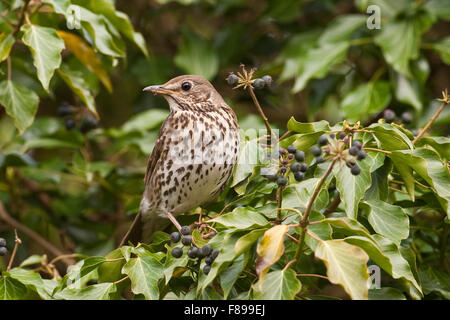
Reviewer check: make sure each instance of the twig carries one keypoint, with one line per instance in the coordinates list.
(311, 275)
(261, 112)
(279, 204)
(304, 222)
(333, 205)
(119, 281)
(22, 17)
(47, 246)
(130, 229)
(285, 135)
(445, 100)
(18, 242)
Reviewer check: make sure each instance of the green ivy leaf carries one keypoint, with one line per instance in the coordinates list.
(241, 218)
(408, 91)
(278, 285)
(20, 103)
(439, 8)
(318, 62)
(231, 274)
(294, 125)
(91, 264)
(11, 289)
(342, 28)
(246, 241)
(6, 42)
(443, 48)
(386, 294)
(144, 273)
(367, 98)
(388, 220)
(434, 280)
(76, 81)
(32, 280)
(352, 188)
(346, 266)
(101, 291)
(60, 6)
(46, 47)
(400, 41)
(390, 138)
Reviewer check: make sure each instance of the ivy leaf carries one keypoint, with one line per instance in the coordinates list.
(390, 138)
(241, 218)
(144, 121)
(248, 158)
(144, 273)
(6, 42)
(91, 264)
(60, 6)
(443, 48)
(278, 285)
(270, 248)
(76, 81)
(294, 125)
(232, 273)
(196, 56)
(20, 103)
(346, 266)
(31, 279)
(172, 265)
(101, 291)
(342, 28)
(386, 294)
(11, 289)
(439, 8)
(86, 55)
(318, 62)
(408, 91)
(388, 220)
(297, 195)
(367, 98)
(389, 8)
(352, 188)
(246, 241)
(400, 41)
(434, 280)
(46, 47)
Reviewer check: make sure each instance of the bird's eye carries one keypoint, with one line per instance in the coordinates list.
(186, 86)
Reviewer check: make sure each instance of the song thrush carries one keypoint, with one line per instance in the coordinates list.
(194, 155)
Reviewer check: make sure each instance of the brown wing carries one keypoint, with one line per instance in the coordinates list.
(156, 153)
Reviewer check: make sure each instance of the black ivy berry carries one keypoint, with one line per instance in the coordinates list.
(206, 250)
(342, 135)
(283, 170)
(332, 135)
(291, 149)
(361, 155)
(69, 123)
(185, 230)
(319, 159)
(193, 252)
(300, 156)
(323, 140)
(259, 83)
(214, 254)
(282, 181)
(285, 162)
(88, 123)
(267, 80)
(290, 156)
(303, 167)
(357, 143)
(177, 252)
(295, 166)
(206, 269)
(282, 151)
(232, 79)
(355, 170)
(353, 150)
(175, 237)
(209, 260)
(407, 117)
(3, 251)
(2, 242)
(299, 176)
(389, 115)
(186, 240)
(65, 109)
(316, 150)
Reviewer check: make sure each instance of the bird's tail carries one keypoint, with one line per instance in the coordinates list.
(152, 223)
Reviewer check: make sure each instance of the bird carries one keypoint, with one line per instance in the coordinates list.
(194, 156)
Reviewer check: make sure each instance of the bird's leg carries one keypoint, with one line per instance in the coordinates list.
(172, 218)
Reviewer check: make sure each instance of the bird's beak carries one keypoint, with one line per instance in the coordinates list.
(159, 90)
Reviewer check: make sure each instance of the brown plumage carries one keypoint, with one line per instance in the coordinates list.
(194, 155)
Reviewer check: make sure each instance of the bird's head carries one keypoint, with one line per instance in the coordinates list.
(187, 91)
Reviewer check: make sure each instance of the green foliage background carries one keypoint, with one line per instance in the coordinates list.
(79, 191)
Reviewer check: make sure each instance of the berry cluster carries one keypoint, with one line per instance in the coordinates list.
(69, 113)
(390, 116)
(3, 250)
(258, 83)
(289, 159)
(337, 148)
(206, 251)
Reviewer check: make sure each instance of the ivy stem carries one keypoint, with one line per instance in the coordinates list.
(304, 222)
(279, 203)
(311, 275)
(261, 112)
(22, 17)
(18, 242)
(445, 101)
(377, 150)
